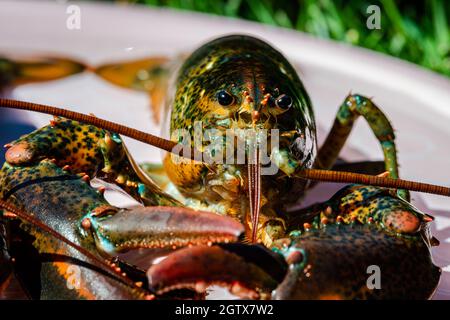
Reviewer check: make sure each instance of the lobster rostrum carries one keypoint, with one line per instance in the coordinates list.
(53, 218)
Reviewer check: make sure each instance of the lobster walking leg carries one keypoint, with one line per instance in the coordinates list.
(353, 107)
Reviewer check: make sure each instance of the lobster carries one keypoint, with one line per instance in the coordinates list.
(225, 223)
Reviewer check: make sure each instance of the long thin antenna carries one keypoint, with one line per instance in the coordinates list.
(313, 174)
(349, 177)
(88, 119)
(32, 220)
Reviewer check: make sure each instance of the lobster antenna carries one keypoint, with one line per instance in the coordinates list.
(312, 174)
(350, 177)
(32, 220)
(92, 120)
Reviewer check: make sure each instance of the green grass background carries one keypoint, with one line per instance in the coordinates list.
(417, 31)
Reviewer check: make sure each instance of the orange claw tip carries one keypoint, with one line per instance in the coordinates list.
(8, 145)
(66, 168)
(19, 153)
(306, 226)
(86, 178)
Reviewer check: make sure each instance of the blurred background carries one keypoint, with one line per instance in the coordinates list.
(416, 31)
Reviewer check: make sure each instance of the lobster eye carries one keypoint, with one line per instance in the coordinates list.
(284, 102)
(225, 98)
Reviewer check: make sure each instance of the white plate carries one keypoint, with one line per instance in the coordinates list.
(416, 100)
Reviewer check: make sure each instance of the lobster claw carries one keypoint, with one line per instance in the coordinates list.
(357, 262)
(248, 271)
(117, 230)
(363, 243)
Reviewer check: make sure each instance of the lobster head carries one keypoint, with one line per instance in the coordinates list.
(251, 106)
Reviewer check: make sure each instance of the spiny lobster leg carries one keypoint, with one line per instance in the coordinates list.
(248, 271)
(86, 149)
(70, 206)
(364, 243)
(354, 106)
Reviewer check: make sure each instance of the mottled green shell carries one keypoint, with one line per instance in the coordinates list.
(339, 261)
(239, 63)
(60, 200)
(255, 74)
(362, 231)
